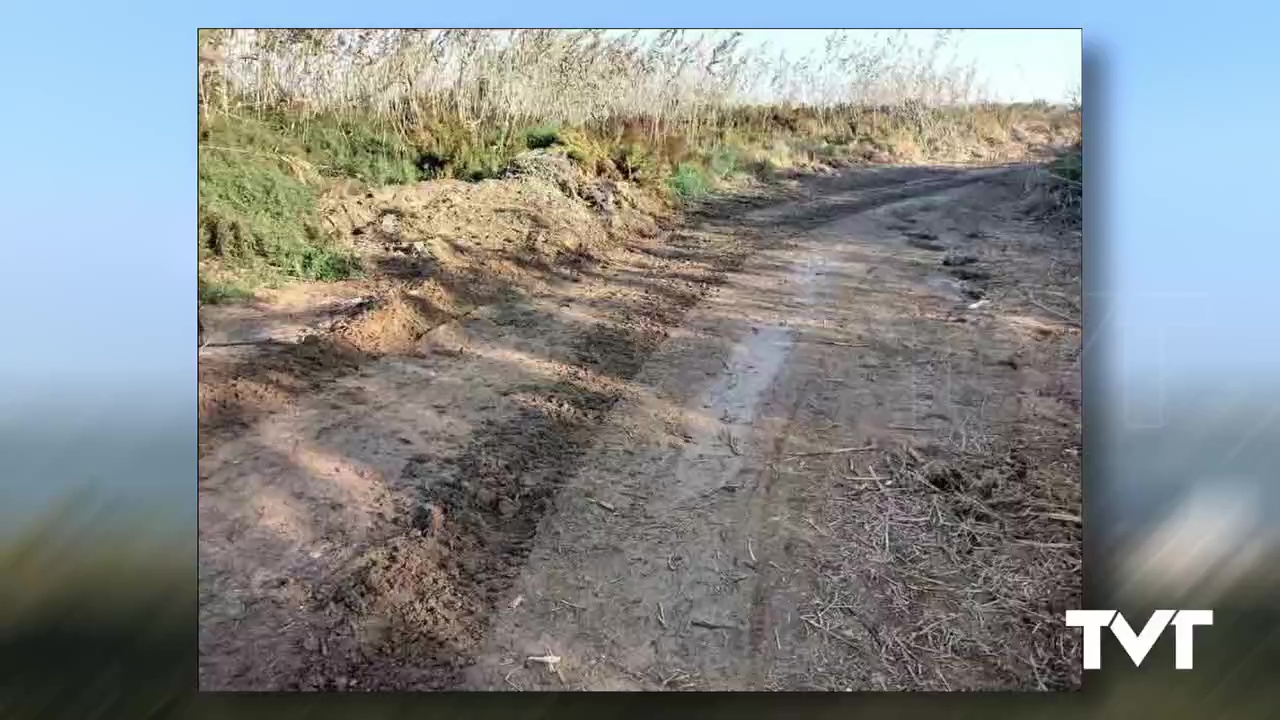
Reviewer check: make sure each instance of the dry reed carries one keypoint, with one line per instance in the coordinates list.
(672, 80)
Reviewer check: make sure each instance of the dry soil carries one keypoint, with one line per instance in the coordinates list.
(825, 437)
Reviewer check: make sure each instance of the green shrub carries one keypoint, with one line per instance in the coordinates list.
(481, 162)
(452, 150)
(541, 137)
(212, 292)
(689, 181)
(255, 210)
(361, 150)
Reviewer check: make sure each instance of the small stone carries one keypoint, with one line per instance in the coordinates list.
(507, 507)
(390, 224)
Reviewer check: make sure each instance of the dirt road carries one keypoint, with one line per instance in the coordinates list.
(825, 442)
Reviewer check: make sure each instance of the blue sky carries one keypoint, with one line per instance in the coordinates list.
(1012, 65)
(1015, 65)
(1025, 64)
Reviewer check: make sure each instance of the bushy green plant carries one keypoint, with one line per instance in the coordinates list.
(213, 292)
(689, 181)
(255, 210)
(365, 150)
(449, 149)
(541, 136)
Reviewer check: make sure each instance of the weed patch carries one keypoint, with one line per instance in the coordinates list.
(361, 150)
(214, 292)
(257, 208)
(689, 181)
(541, 137)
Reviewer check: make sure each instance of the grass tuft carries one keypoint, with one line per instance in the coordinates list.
(257, 208)
(215, 292)
(360, 149)
(690, 181)
(541, 137)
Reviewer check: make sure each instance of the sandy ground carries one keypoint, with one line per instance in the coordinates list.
(824, 440)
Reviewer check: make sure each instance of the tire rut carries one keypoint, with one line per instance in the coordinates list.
(673, 541)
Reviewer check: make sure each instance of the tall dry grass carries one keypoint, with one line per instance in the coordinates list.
(675, 80)
(676, 111)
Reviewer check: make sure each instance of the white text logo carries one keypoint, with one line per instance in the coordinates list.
(1138, 644)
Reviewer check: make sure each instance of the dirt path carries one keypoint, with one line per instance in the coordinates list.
(779, 450)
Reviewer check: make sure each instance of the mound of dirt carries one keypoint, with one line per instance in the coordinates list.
(446, 339)
(449, 222)
(392, 326)
(436, 250)
(509, 231)
(411, 625)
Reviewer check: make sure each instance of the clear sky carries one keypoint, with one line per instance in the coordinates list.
(1013, 65)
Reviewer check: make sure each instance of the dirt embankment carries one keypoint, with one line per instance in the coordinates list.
(502, 323)
(499, 446)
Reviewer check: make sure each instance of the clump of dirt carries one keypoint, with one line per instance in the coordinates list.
(449, 221)
(636, 212)
(407, 619)
(446, 339)
(254, 379)
(392, 326)
(487, 237)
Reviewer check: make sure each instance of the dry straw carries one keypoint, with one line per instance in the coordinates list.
(676, 80)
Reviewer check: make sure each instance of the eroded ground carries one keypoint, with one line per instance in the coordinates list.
(825, 439)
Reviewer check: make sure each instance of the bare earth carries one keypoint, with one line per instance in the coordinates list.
(784, 447)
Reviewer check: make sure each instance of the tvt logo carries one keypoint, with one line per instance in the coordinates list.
(1138, 644)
